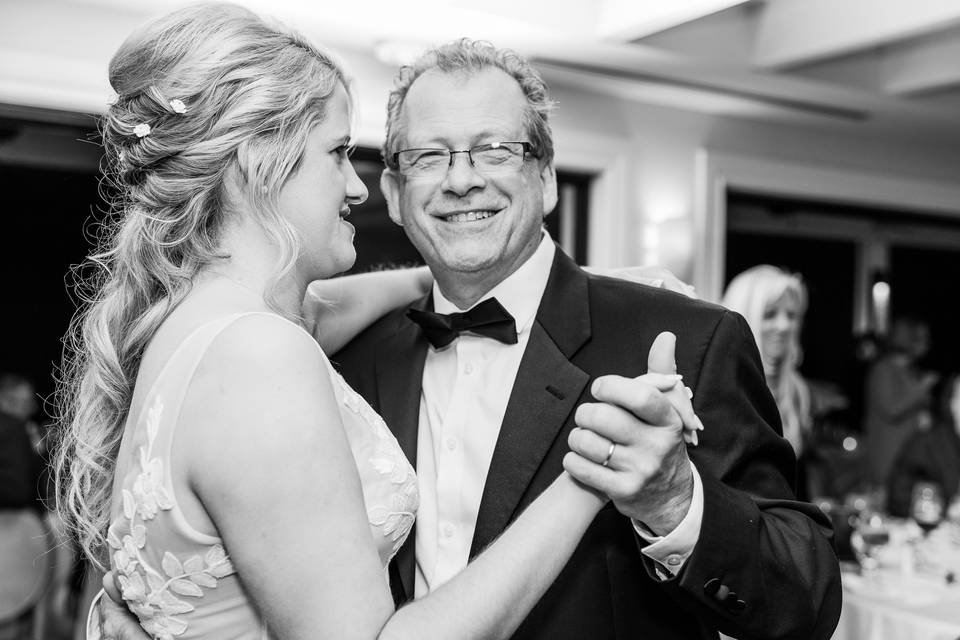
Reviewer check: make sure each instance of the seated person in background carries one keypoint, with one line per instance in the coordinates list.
(24, 473)
(18, 397)
(897, 395)
(21, 528)
(930, 455)
(20, 465)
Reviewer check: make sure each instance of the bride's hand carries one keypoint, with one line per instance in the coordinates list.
(116, 621)
(650, 275)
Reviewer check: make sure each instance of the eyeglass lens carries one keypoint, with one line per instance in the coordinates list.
(486, 158)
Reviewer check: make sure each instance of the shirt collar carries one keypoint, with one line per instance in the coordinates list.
(520, 292)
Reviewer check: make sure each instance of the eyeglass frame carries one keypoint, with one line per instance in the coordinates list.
(528, 149)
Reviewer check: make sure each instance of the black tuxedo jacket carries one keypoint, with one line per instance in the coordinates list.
(764, 566)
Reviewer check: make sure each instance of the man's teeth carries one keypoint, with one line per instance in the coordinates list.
(469, 216)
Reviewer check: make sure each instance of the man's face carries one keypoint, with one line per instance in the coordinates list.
(467, 224)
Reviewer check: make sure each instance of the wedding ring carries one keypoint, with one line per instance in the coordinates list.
(606, 461)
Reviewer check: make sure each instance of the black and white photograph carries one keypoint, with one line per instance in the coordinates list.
(462, 319)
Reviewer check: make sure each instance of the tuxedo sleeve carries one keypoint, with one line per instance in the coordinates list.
(764, 564)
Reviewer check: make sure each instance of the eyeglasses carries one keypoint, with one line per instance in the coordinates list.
(490, 159)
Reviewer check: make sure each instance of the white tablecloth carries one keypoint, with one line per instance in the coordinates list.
(892, 606)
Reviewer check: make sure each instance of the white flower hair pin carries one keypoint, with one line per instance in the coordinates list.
(143, 129)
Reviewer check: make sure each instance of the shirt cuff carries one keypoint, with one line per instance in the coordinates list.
(670, 552)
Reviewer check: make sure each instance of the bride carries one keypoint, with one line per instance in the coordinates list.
(213, 460)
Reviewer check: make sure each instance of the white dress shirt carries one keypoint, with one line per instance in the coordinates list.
(466, 386)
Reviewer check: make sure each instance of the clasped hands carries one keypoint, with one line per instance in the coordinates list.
(630, 445)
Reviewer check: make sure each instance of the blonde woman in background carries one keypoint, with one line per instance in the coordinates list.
(773, 302)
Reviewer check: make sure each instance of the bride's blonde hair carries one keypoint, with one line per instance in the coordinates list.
(206, 94)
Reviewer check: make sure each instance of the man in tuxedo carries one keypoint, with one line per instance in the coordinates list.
(485, 396)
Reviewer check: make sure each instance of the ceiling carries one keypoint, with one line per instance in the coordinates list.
(878, 65)
(856, 59)
(890, 67)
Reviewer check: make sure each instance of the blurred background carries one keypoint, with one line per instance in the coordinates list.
(706, 136)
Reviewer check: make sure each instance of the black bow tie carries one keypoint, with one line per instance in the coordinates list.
(488, 318)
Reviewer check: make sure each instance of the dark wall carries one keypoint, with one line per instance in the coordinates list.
(43, 219)
(925, 282)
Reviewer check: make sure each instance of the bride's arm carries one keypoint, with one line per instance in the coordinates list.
(274, 469)
(336, 310)
(650, 275)
(495, 592)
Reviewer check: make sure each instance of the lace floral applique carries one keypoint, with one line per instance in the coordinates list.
(397, 521)
(152, 594)
(388, 460)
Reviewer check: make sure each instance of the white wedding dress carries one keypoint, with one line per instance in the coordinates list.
(180, 582)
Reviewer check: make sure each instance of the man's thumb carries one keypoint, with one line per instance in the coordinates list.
(661, 358)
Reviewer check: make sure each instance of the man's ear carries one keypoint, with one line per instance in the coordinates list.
(390, 186)
(548, 180)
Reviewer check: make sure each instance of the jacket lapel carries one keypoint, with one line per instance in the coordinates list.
(399, 372)
(546, 391)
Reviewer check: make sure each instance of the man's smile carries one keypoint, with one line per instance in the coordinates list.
(462, 214)
(469, 216)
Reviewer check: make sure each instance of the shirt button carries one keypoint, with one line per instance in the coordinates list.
(448, 530)
(468, 368)
(673, 560)
(451, 444)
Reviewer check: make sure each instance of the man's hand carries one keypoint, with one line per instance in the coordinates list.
(116, 621)
(630, 445)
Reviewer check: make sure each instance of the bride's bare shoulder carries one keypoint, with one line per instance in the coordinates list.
(263, 338)
(260, 369)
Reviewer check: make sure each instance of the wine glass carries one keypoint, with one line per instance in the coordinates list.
(868, 539)
(927, 505)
